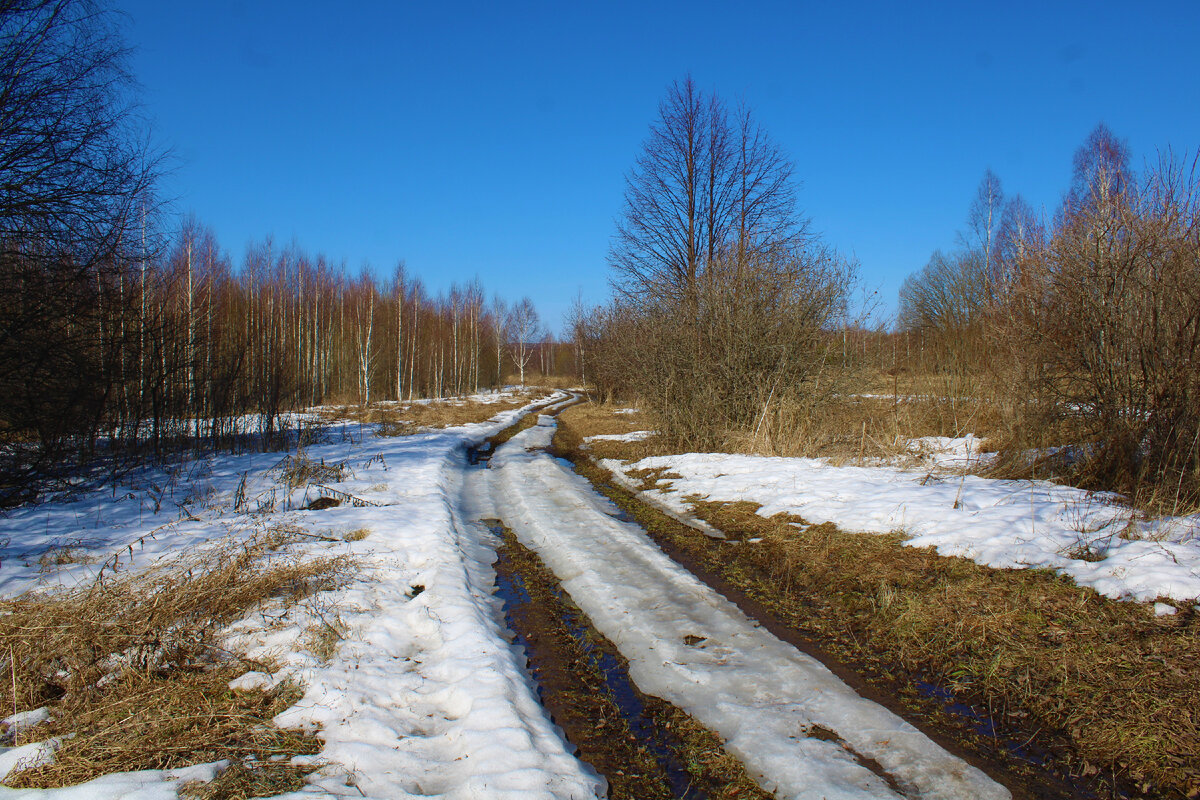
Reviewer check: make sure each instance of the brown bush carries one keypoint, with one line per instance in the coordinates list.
(1102, 332)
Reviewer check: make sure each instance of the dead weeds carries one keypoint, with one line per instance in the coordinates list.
(403, 419)
(1030, 645)
(607, 420)
(133, 670)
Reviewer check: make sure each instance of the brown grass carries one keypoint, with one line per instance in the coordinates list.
(402, 419)
(357, 535)
(133, 671)
(608, 419)
(1103, 686)
(876, 420)
(1121, 684)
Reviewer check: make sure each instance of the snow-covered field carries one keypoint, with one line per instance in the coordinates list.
(423, 696)
(1000, 523)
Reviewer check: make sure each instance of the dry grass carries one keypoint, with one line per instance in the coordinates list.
(877, 419)
(607, 419)
(1104, 686)
(300, 470)
(1119, 683)
(402, 419)
(357, 535)
(133, 671)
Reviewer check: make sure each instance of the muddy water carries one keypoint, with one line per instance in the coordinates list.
(585, 684)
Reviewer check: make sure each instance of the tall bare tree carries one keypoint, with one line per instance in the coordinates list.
(74, 169)
(701, 185)
(983, 221)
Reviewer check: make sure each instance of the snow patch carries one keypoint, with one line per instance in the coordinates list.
(758, 693)
(1089, 536)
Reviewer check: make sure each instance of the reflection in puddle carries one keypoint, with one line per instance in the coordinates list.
(659, 742)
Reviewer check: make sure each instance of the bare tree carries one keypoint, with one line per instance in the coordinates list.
(1021, 234)
(700, 186)
(1101, 173)
(364, 326)
(723, 295)
(983, 220)
(75, 170)
(522, 329)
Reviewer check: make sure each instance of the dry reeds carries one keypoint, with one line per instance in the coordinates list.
(133, 669)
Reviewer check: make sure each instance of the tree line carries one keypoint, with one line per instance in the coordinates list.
(126, 330)
(734, 324)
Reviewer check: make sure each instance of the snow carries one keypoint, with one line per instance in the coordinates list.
(12, 725)
(948, 453)
(998, 523)
(423, 694)
(632, 436)
(145, 785)
(26, 756)
(758, 693)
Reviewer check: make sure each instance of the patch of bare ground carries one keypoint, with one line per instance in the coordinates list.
(645, 747)
(1060, 691)
(135, 677)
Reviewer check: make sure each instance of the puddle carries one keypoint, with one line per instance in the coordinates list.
(982, 724)
(480, 454)
(567, 640)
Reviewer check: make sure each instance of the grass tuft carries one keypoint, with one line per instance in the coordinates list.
(133, 669)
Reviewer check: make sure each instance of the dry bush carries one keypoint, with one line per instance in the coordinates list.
(132, 666)
(730, 353)
(1102, 328)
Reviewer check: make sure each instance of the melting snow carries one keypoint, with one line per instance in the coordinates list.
(1000, 523)
(761, 695)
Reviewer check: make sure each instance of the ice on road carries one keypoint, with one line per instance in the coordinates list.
(772, 704)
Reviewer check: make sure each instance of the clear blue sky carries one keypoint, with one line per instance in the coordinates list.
(490, 139)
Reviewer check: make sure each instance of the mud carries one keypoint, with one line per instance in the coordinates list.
(642, 745)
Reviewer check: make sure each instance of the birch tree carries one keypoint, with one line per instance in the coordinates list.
(522, 329)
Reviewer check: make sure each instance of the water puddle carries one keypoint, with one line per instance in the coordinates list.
(982, 724)
(480, 454)
(528, 599)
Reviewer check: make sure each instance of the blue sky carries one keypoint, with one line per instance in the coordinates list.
(491, 139)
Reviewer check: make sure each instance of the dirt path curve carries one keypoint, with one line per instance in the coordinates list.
(800, 730)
